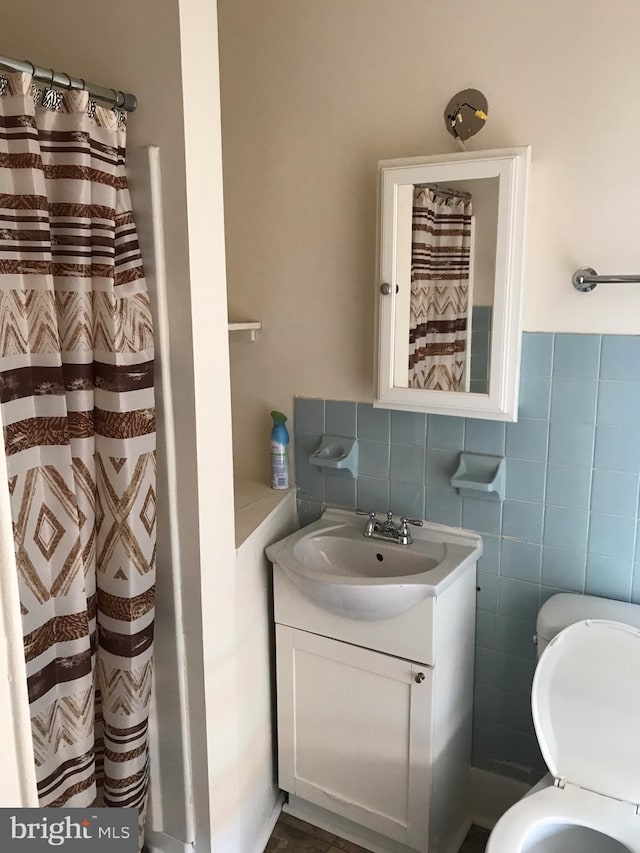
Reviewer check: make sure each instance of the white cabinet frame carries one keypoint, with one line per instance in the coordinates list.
(511, 167)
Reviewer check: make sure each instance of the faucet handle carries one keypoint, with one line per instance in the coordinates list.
(372, 523)
(404, 535)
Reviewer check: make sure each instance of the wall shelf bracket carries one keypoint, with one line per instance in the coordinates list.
(251, 326)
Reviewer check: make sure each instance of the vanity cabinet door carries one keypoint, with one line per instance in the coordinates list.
(354, 733)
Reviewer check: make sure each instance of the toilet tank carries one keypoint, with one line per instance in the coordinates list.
(564, 609)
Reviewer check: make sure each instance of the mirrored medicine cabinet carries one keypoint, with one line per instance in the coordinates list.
(449, 285)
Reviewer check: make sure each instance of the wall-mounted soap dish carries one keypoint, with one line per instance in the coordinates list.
(480, 475)
(336, 453)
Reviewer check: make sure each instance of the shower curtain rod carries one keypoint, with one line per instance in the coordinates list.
(445, 190)
(121, 100)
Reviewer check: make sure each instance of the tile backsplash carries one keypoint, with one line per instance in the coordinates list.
(569, 521)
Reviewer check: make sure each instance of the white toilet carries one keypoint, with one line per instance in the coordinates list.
(586, 710)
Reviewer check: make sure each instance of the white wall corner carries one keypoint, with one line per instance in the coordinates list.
(160, 842)
(492, 795)
(263, 837)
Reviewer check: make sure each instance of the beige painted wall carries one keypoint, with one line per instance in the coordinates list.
(484, 194)
(315, 92)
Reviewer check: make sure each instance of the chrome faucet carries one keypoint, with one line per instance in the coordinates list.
(387, 529)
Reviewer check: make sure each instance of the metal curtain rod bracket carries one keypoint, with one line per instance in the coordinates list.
(443, 189)
(121, 100)
(586, 278)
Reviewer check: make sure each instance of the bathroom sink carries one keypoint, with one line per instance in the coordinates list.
(348, 574)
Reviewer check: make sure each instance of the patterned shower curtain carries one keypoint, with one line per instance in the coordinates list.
(76, 393)
(439, 309)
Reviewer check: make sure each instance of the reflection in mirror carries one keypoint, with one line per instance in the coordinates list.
(449, 283)
(445, 276)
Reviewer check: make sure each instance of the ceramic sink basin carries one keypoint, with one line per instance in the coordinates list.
(348, 574)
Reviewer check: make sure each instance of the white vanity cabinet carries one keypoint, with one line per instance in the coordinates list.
(354, 729)
(374, 718)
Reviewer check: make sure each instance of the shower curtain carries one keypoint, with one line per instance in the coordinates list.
(76, 396)
(439, 309)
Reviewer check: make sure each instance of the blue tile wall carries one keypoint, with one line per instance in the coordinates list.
(569, 521)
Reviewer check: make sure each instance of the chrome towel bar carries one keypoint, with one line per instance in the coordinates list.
(586, 278)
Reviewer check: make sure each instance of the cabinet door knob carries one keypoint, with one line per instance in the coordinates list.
(385, 289)
(420, 677)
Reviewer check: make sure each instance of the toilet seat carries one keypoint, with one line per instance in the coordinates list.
(585, 702)
(570, 806)
(586, 710)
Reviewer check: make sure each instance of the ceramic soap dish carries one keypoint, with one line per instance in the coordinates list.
(480, 475)
(336, 453)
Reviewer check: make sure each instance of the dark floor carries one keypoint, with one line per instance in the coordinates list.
(296, 836)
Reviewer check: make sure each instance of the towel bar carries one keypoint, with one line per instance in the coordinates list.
(586, 278)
